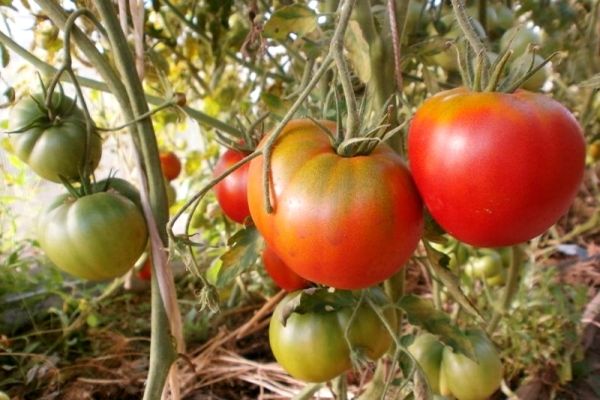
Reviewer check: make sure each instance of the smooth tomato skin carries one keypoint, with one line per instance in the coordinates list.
(96, 237)
(495, 169)
(53, 149)
(145, 273)
(231, 192)
(170, 164)
(311, 346)
(466, 379)
(346, 222)
(281, 274)
(427, 351)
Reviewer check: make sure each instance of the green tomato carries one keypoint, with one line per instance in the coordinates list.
(311, 346)
(522, 38)
(496, 280)
(428, 351)
(485, 266)
(466, 379)
(537, 80)
(53, 148)
(95, 237)
(4, 396)
(122, 187)
(504, 17)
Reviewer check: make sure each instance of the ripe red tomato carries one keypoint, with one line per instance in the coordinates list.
(495, 169)
(170, 164)
(281, 274)
(231, 191)
(346, 222)
(145, 273)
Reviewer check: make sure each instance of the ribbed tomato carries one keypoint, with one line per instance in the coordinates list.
(346, 222)
(281, 274)
(495, 169)
(231, 191)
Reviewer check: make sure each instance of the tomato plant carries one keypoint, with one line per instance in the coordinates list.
(346, 222)
(521, 38)
(495, 169)
(53, 147)
(281, 274)
(99, 236)
(231, 192)
(311, 346)
(170, 164)
(466, 379)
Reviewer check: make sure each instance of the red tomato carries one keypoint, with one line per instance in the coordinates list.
(495, 169)
(145, 273)
(171, 166)
(346, 222)
(231, 191)
(281, 274)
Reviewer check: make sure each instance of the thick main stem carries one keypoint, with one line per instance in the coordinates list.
(162, 352)
(337, 50)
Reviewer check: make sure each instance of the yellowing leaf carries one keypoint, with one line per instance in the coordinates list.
(295, 18)
(358, 51)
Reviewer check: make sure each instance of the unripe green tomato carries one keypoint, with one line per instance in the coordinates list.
(485, 266)
(537, 80)
(466, 379)
(522, 38)
(504, 17)
(427, 351)
(311, 346)
(447, 59)
(496, 280)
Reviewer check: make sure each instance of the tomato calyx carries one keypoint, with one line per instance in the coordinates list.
(247, 139)
(318, 300)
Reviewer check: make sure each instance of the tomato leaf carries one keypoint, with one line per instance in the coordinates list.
(422, 313)
(295, 18)
(316, 300)
(244, 248)
(439, 264)
(358, 51)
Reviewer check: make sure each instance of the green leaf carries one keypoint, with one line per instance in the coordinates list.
(422, 313)
(593, 82)
(244, 248)
(439, 263)
(358, 51)
(4, 56)
(317, 300)
(275, 104)
(295, 18)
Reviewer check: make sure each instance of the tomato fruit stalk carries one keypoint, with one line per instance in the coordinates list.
(346, 222)
(495, 169)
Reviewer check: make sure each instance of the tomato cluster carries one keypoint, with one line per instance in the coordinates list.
(452, 374)
(97, 231)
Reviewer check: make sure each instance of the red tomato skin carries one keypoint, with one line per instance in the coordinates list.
(345, 222)
(145, 273)
(171, 166)
(495, 169)
(281, 274)
(231, 191)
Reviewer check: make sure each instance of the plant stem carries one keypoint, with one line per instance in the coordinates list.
(337, 50)
(162, 352)
(512, 285)
(114, 87)
(397, 28)
(472, 37)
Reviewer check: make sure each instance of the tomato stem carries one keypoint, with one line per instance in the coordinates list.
(467, 27)
(512, 285)
(337, 50)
